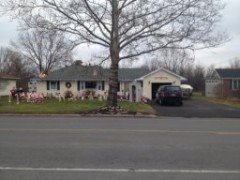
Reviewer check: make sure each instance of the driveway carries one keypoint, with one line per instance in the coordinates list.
(197, 108)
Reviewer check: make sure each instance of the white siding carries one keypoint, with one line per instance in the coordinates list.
(210, 86)
(42, 88)
(6, 86)
(158, 77)
(146, 89)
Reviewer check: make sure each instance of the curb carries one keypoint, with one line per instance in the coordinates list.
(80, 115)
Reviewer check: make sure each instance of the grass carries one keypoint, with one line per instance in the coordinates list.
(231, 102)
(137, 107)
(52, 106)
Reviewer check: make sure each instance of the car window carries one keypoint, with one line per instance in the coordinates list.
(173, 88)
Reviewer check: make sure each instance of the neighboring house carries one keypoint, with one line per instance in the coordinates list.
(224, 83)
(7, 82)
(133, 82)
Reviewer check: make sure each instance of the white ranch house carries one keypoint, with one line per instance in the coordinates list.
(134, 83)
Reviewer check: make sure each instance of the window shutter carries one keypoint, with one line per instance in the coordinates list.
(78, 85)
(118, 86)
(103, 85)
(47, 85)
(58, 85)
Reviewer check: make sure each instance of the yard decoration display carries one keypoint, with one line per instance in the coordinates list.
(145, 99)
(43, 75)
(68, 85)
(13, 94)
(20, 95)
(69, 95)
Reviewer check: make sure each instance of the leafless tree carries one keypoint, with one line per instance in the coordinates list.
(13, 63)
(127, 28)
(210, 72)
(8, 57)
(198, 80)
(195, 75)
(235, 63)
(46, 50)
(5, 56)
(174, 60)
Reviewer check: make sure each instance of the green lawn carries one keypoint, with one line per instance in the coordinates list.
(232, 102)
(68, 107)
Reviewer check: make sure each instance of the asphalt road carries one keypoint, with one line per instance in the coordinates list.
(67, 148)
(197, 108)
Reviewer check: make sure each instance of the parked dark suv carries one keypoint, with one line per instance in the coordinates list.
(169, 94)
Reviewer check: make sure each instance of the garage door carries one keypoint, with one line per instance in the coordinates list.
(155, 87)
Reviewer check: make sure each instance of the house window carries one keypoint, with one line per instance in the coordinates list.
(103, 85)
(100, 85)
(53, 85)
(235, 84)
(91, 85)
(80, 85)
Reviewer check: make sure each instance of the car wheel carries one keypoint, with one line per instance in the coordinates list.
(180, 103)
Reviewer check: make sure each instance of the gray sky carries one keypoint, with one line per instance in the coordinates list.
(219, 56)
(8, 30)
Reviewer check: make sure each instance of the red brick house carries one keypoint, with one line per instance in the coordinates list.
(224, 83)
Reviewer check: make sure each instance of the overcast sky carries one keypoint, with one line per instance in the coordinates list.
(219, 56)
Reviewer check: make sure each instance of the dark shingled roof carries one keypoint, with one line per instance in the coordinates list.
(78, 72)
(91, 73)
(228, 73)
(129, 74)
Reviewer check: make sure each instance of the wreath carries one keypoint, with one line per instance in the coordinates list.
(68, 84)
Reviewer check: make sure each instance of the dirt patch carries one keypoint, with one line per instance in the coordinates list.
(112, 110)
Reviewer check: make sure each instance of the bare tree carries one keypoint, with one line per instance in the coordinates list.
(235, 63)
(210, 72)
(47, 50)
(198, 80)
(127, 28)
(13, 63)
(195, 75)
(175, 60)
(5, 56)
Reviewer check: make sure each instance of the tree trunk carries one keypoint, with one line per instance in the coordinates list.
(114, 52)
(113, 86)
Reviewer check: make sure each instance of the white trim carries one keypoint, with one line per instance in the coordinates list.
(238, 84)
